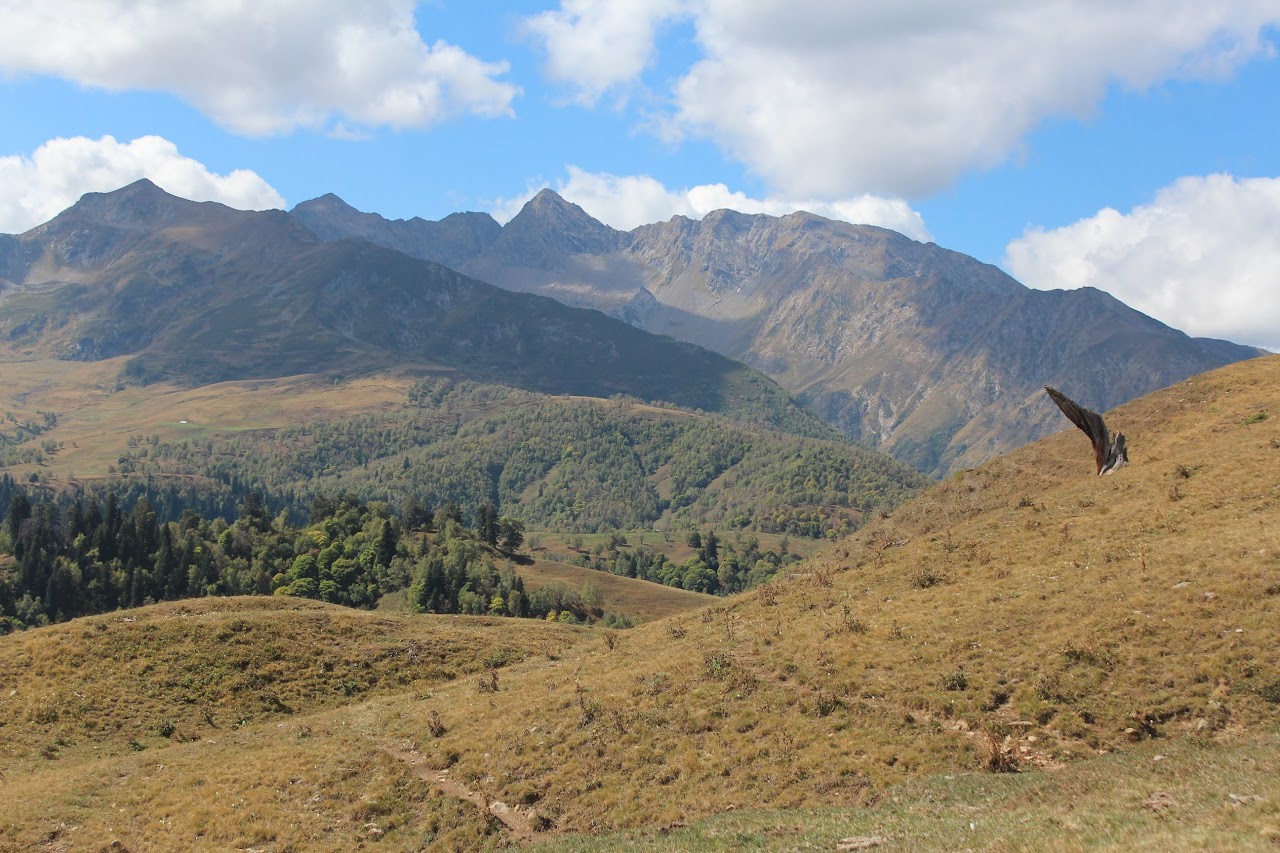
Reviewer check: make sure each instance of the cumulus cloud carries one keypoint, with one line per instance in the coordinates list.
(626, 202)
(259, 68)
(833, 99)
(593, 46)
(1202, 257)
(35, 189)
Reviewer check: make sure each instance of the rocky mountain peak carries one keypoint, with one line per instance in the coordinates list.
(101, 228)
(549, 229)
(450, 241)
(549, 209)
(329, 203)
(140, 206)
(331, 218)
(549, 197)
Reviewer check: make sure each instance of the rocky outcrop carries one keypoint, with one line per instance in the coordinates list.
(451, 241)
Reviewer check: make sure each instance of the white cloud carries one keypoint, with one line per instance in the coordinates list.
(258, 68)
(626, 202)
(1202, 257)
(593, 46)
(830, 99)
(35, 189)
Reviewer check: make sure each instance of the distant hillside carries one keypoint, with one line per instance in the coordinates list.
(559, 463)
(1110, 638)
(926, 353)
(199, 293)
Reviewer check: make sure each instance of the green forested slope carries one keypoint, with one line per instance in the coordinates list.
(571, 464)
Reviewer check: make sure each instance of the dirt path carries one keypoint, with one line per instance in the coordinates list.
(519, 825)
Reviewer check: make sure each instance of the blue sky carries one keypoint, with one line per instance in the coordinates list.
(1132, 145)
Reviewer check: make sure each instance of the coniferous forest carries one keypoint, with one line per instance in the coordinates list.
(89, 556)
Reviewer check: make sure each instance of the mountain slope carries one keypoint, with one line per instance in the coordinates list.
(554, 462)
(1028, 597)
(921, 351)
(200, 293)
(1026, 614)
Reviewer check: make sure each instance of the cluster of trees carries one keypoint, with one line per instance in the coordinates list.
(85, 556)
(561, 464)
(717, 567)
(14, 433)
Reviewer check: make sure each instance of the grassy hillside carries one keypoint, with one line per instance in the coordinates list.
(640, 600)
(181, 671)
(1028, 599)
(1189, 794)
(205, 711)
(97, 415)
(1026, 615)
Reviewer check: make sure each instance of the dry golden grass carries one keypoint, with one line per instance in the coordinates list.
(1183, 795)
(96, 418)
(1075, 613)
(1027, 600)
(187, 670)
(641, 600)
(323, 784)
(203, 723)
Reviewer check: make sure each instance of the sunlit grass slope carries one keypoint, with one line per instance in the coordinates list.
(205, 712)
(1026, 615)
(97, 415)
(640, 600)
(1185, 795)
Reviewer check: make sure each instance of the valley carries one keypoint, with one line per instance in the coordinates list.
(585, 426)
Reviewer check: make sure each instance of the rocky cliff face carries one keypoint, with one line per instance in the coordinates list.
(928, 353)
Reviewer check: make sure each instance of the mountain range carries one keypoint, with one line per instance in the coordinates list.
(199, 293)
(196, 354)
(906, 346)
(903, 346)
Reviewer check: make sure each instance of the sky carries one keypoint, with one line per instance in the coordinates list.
(1128, 145)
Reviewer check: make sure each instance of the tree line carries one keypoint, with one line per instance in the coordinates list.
(717, 567)
(86, 556)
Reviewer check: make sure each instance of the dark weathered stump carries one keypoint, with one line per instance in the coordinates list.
(1109, 451)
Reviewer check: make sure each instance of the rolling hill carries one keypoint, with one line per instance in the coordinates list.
(576, 464)
(920, 351)
(1111, 638)
(555, 462)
